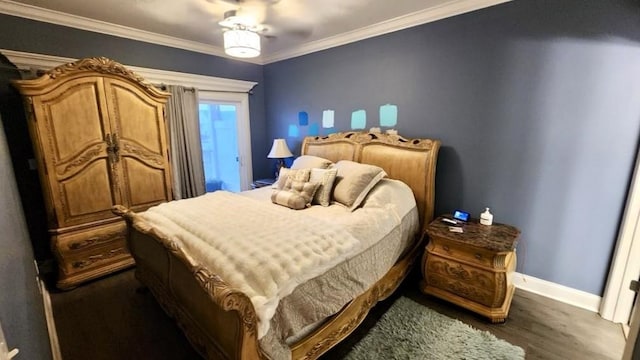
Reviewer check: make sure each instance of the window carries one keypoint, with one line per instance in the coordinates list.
(225, 139)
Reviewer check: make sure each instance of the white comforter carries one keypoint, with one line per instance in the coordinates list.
(265, 253)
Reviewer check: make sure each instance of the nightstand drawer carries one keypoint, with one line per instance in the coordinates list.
(467, 254)
(460, 272)
(462, 289)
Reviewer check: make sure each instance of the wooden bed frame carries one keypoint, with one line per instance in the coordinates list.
(220, 322)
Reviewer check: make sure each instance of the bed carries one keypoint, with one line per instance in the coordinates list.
(221, 321)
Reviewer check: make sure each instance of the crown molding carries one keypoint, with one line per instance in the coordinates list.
(24, 60)
(449, 9)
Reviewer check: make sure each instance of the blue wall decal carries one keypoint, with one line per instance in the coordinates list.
(293, 131)
(303, 118)
(388, 115)
(358, 120)
(314, 129)
(328, 118)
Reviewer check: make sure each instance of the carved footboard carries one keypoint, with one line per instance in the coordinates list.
(218, 321)
(221, 323)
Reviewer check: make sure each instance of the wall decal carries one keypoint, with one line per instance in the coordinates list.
(358, 120)
(314, 129)
(303, 118)
(293, 130)
(328, 118)
(388, 115)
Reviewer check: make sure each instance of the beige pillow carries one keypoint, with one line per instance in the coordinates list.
(310, 161)
(296, 195)
(326, 178)
(288, 199)
(299, 175)
(354, 181)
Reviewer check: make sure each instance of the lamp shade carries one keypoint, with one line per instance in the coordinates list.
(279, 150)
(241, 43)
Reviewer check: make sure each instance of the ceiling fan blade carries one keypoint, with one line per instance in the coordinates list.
(278, 24)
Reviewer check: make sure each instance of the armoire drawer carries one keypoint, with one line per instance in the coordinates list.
(77, 242)
(90, 249)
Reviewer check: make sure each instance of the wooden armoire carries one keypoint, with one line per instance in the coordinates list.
(100, 139)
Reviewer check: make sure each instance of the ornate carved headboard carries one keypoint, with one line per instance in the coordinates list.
(412, 161)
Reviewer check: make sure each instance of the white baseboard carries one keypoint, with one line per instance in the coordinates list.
(557, 292)
(56, 354)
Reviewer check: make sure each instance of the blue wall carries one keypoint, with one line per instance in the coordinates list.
(537, 104)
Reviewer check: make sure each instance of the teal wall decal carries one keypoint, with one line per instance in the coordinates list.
(293, 131)
(314, 129)
(358, 120)
(388, 115)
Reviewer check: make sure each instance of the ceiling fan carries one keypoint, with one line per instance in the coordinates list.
(241, 37)
(250, 20)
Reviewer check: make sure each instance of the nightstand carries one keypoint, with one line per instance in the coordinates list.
(472, 269)
(262, 183)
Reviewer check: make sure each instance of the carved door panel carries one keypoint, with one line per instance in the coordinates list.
(72, 128)
(142, 166)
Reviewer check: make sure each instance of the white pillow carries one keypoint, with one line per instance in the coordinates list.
(310, 161)
(354, 181)
(326, 178)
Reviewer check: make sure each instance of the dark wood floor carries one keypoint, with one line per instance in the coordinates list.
(113, 318)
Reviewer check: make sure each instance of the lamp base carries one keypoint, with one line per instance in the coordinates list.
(279, 165)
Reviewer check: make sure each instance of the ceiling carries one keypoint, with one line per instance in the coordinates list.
(292, 27)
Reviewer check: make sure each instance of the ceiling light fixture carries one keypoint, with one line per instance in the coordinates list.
(242, 43)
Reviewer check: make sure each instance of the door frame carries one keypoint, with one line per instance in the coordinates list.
(633, 341)
(241, 100)
(617, 300)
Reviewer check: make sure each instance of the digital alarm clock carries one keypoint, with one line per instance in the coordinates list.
(461, 215)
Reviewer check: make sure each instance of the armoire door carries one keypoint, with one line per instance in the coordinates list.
(141, 156)
(71, 124)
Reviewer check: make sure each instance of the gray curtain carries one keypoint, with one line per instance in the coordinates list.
(184, 139)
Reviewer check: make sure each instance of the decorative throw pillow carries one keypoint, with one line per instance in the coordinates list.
(298, 175)
(296, 195)
(354, 181)
(326, 178)
(310, 161)
(288, 199)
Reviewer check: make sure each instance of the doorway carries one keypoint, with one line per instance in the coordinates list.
(225, 140)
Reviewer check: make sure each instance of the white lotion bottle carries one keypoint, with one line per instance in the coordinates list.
(486, 218)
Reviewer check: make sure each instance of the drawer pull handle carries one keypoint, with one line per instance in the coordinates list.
(478, 256)
(446, 248)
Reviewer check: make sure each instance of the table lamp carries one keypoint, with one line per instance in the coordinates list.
(280, 151)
